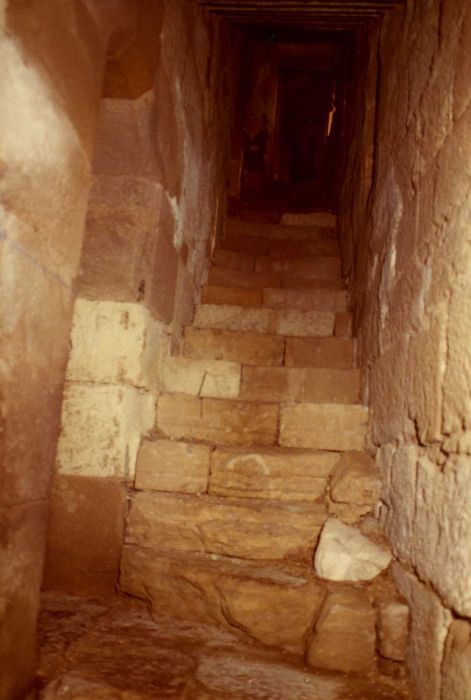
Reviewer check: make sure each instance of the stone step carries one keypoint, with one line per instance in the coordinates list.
(261, 245)
(233, 527)
(262, 320)
(284, 384)
(218, 421)
(278, 474)
(260, 229)
(323, 426)
(205, 378)
(268, 350)
(321, 267)
(269, 605)
(276, 298)
(246, 347)
(228, 277)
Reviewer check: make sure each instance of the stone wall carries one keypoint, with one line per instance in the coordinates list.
(156, 202)
(408, 260)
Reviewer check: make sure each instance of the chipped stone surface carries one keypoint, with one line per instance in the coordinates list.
(197, 377)
(344, 554)
(355, 487)
(344, 634)
(323, 426)
(167, 465)
(276, 474)
(217, 420)
(102, 425)
(246, 348)
(393, 630)
(281, 322)
(244, 528)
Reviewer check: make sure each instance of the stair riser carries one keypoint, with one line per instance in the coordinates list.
(304, 300)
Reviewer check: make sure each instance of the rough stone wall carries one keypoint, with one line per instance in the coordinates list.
(408, 259)
(159, 172)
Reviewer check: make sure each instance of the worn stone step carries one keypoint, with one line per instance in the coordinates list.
(272, 231)
(262, 320)
(323, 426)
(260, 245)
(319, 352)
(321, 267)
(228, 277)
(270, 606)
(279, 474)
(219, 421)
(300, 384)
(233, 527)
(233, 296)
(247, 348)
(198, 377)
(276, 298)
(234, 260)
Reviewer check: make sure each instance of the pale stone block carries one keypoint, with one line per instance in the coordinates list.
(102, 426)
(165, 465)
(306, 299)
(269, 605)
(355, 487)
(224, 276)
(314, 218)
(233, 527)
(393, 630)
(212, 378)
(344, 554)
(343, 325)
(114, 342)
(324, 426)
(276, 474)
(239, 296)
(280, 322)
(320, 267)
(221, 421)
(296, 384)
(344, 635)
(336, 353)
(246, 348)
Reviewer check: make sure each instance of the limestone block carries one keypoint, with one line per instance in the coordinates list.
(114, 342)
(355, 486)
(102, 427)
(393, 630)
(296, 384)
(344, 554)
(323, 427)
(343, 325)
(280, 322)
(165, 465)
(270, 606)
(305, 299)
(276, 474)
(336, 353)
(85, 535)
(320, 267)
(217, 420)
(238, 296)
(429, 624)
(246, 348)
(224, 276)
(233, 261)
(456, 666)
(315, 218)
(344, 635)
(243, 528)
(213, 378)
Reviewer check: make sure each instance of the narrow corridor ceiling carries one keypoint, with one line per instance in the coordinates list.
(300, 14)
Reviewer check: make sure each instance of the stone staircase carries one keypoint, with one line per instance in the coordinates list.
(259, 442)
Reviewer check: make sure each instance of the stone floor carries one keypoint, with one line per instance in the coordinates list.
(112, 650)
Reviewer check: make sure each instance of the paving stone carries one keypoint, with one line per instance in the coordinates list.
(274, 474)
(344, 554)
(305, 299)
(316, 267)
(296, 384)
(278, 321)
(344, 635)
(167, 465)
(323, 426)
(225, 276)
(211, 378)
(233, 261)
(244, 528)
(238, 296)
(319, 352)
(220, 421)
(247, 348)
(393, 630)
